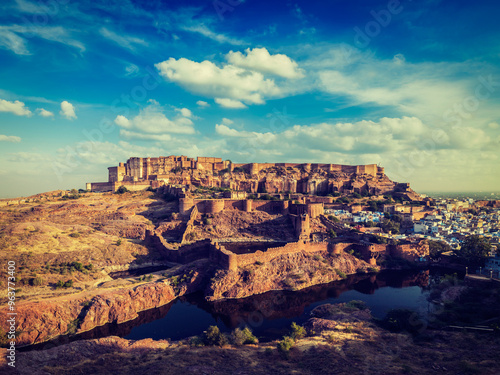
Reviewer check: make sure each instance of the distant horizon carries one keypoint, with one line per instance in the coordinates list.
(483, 193)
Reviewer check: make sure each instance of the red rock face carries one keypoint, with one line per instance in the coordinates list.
(41, 321)
(293, 180)
(287, 272)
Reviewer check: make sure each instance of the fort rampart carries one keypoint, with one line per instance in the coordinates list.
(213, 206)
(228, 260)
(139, 173)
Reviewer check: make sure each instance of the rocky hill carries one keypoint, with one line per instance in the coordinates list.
(292, 180)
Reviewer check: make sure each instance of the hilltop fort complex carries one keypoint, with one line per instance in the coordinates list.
(294, 195)
(273, 178)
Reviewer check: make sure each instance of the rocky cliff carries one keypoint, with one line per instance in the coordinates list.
(292, 180)
(41, 321)
(287, 272)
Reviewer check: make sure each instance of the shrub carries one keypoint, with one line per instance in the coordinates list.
(37, 281)
(398, 320)
(298, 332)
(73, 327)
(75, 235)
(67, 284)
(213, 336)
(78, 266)
(196, 341)
(284, 346)
(119, 242)
(340, 273)
(357, 305)
(122, 189)
(243, 336)
(331, 339)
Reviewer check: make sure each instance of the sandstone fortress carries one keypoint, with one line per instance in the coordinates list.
(299, 192)
(273, 178)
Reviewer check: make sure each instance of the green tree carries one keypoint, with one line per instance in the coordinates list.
(373, 206)
(474, 251)
(389, 225)
(436, 248)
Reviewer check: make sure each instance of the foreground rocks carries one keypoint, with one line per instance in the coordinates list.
(349, 344)
(41, 321)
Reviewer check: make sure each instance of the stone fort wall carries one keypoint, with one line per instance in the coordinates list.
(136, 169)
(228, 260)
(213, 206)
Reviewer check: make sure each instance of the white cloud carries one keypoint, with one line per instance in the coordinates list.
(152, 120)
(230, 103)
(261, 60)
(14, 37)
(229, 82)
(13, 42)
(218, 37)
(424, 89)
(185, 112)
(202, 103)
(123, 122)
(9, 138)
(227, 121)
(18, 108)
(67, 110)
(127, 42)
(44, 113)
(229, 132)
(493, 125)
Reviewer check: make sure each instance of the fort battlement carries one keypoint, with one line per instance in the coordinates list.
(226, 259)
(139, 173)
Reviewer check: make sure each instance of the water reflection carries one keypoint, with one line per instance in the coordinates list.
(269, 315)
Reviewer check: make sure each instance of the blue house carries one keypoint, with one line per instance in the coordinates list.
(493, 264)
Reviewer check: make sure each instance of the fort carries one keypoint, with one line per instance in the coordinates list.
(307, 178)
(208, 186)
(229, 260)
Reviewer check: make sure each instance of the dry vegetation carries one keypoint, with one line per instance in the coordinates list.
(345, 341)
(77, 240)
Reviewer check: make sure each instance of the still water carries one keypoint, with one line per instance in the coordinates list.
(270, 315)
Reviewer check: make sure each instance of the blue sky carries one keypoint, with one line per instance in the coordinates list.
(412, 85)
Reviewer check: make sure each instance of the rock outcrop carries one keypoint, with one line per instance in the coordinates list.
(41, 321)
(287, 272)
